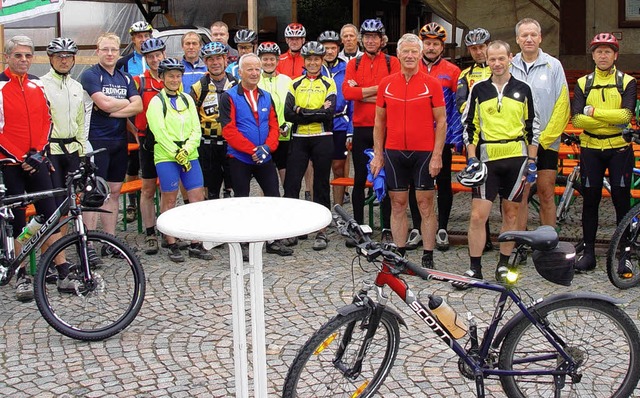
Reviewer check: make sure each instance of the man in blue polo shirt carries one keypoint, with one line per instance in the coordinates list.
(194, 66)
(115, 98)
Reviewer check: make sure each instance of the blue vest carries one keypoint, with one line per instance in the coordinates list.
(255, 131)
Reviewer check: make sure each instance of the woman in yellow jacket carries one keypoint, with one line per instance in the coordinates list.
(173, 121)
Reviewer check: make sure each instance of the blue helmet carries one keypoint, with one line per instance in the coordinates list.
(372, 26)
(151, 45)
(213, 48)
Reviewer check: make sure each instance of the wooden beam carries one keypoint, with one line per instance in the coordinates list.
(356, 12)
(549, 13)
(252, 14)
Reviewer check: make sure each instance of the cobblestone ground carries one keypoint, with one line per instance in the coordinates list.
(180, 345)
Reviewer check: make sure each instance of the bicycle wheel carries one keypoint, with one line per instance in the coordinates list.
(105, 302)
(570, 214)
(315, 372)
(623, 266)
(601, 338)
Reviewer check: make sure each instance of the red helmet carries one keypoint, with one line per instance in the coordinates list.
(606, 39)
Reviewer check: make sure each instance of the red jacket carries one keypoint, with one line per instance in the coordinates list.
(370, 73)
(291, 64)
(25, 121)
(151, 89)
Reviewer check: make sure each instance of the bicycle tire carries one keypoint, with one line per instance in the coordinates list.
(313, 374)
(97, 313)
(597, 331)
(615, 251)
(567, 216)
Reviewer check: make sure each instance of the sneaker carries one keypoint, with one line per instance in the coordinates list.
(501, 272)
(94, 259)
(522, 257)
(152, 245)
(346, 198)
(279, 248)
(52, 274)
(198, 251)
(290, 241)
(414, 239)
(24, 288)
(68, 284)
(469, 273)
(110, 251)
(303, 237)
(226, 194)
(175, 255)
(307, 195)
(131, 213)
(182, 245)
(320, 242)
(442, 240)
(427, 261)
(386, 236)
(625, 268)
(586, 263)
(488, 247)
(350, 242)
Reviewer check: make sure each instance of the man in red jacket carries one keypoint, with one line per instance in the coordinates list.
(291, 63)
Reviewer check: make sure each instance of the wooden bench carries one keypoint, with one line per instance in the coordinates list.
(369, 201)
(135, 186)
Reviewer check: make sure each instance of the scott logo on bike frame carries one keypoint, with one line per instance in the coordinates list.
(431, 321)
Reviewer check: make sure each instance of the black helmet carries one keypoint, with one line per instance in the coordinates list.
(269, 47)
(433, 30)
(95, 193)
(140, 26)
(151, 45)
(372, 26)
(473, 176)
(312, 48)
(170, 64)
(62, 45)
(329, 36)
(476, 37)
(245, 36)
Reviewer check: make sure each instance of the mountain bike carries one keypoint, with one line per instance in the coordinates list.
(108, 296)
(570, 344)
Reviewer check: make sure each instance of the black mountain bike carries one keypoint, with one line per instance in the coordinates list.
(108, 296)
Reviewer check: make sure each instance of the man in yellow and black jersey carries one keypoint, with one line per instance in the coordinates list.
(206, 95)
(499, 131)
(603, 104)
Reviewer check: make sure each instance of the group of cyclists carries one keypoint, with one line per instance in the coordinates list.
(208, 123)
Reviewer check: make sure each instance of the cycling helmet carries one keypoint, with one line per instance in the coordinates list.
(170, 64)
(268, 47)
(329, 36)
(95, 193)
(140, 26)
(245, 36)
(473, 176)
(62, 45)
(295, 30)
(433, 30)
(372, 26)
(312, 48)
(151, 45)
(606, 39)
(476, 37)
(213, 48)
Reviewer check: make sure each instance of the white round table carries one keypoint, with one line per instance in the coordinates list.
(239, 220)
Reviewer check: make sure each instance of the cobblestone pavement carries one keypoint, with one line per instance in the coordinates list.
(180, 345)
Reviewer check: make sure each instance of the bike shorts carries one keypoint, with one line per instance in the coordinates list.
(505, 177)
(281, 154)
(547, 159)
(171, 174)
(339, 145)
(594, 163)
(405, 167)
(63, 165)
(112, 163)
(147, 165)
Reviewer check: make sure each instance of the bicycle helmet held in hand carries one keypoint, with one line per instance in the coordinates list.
(139, 27)
(151, 45)
(269, 47)
(95, 193)
(433, 30)
(476, 37)
(213, 48)
(474, 175)
(372, 26)
(329, 36)
(62, 45)
(245, 36)
(170, 64)
(295, 30)
(604, 39)
(312, 48)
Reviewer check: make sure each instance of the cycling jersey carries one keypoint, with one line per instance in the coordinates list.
(132, 63)
(409, 106)
(304, 106)
(244, 128)
(468, 77)
(278, 86)
(500, 124)
(178, 128)
(369, 73)
(613, 112)
(549, 85)
(344, 109)
(152, 87)
(192, 73)
(25, 122)
(208, 106)
(291, 64)
(67, 113)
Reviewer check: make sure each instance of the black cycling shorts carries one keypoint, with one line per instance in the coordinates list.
(547, 159)
(404, 167)
(339, 145)
(281, 154)
(147, 165)
(63, 165)
(505, 177)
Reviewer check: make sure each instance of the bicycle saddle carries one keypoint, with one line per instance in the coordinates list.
(543, 238)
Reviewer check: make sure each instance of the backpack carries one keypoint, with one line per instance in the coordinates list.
(387, 58)
(591, 76)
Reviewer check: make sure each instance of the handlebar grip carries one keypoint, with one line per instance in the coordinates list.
(342, 213)
(90, 154)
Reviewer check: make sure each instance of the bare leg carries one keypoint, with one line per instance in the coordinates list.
(399, 201)
(429, 222)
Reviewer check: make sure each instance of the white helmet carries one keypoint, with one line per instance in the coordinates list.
(473, 175)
